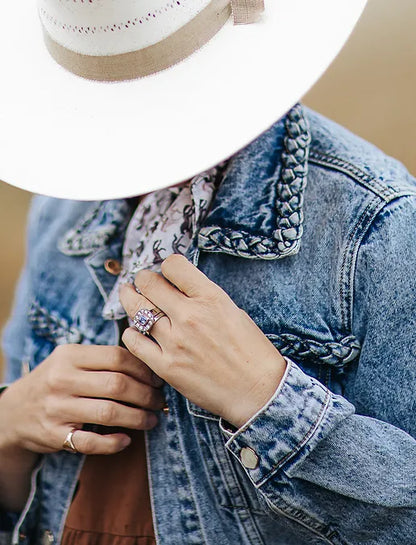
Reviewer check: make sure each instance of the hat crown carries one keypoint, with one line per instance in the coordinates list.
(112, 27)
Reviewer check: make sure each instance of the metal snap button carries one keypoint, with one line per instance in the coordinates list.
(249, 458)
(112, 266)
(48, 538)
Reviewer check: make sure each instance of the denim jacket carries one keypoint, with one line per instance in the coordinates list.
(312, 233)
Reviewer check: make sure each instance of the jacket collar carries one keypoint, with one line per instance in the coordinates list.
(102, 222)
(257, 211)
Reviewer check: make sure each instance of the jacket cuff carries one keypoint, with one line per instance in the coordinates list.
(299, 415)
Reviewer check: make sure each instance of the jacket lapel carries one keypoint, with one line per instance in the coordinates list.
(258, 210)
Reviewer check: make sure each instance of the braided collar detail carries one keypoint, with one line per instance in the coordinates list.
(273, 238)
(285, 238)
(103, 221)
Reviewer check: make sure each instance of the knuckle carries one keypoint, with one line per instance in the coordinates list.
(116, 385)
(145, 279)
(147, 397)
(116, 356)
(54, 378)
(106, 413)
(214, 297)
(145, 420)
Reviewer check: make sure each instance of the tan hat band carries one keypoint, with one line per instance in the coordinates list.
(163, 54)
(246, 11)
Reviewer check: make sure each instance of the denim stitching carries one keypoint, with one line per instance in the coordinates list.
(289, 203)
(310, 524)
(354, 240)
(301, 443)
(191, 518)
(248, 512)
(369, 182)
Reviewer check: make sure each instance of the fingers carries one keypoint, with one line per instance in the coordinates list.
(107, 413)
(119, 387)
(144, 348)
(186, 277)
(133, 302)
(159, 291)
(87, 442)
(106, 358)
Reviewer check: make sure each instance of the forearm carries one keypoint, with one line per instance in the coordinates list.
(16, 466)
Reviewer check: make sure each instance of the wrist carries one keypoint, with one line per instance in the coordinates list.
(259, 396)
(10, 446)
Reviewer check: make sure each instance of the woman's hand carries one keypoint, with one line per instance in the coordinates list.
(207, 348)
(76, 385)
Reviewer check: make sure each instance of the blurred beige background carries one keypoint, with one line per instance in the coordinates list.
(370, 89)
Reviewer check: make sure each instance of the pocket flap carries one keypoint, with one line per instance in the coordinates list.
(52, 326)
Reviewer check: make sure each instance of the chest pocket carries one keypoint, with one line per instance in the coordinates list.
(324, 360)
(48, 330)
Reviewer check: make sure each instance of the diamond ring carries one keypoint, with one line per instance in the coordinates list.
(145, 319)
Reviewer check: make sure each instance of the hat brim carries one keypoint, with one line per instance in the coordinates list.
(67, 137)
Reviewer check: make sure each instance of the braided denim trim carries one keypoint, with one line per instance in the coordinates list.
(289, 203)
(101, 222)
(51, 326)
(335, 353)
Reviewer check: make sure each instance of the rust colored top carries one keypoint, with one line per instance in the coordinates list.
(112, 504)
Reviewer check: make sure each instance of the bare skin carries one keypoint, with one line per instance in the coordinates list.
(227, 366)
(74, 385)
(207, 348)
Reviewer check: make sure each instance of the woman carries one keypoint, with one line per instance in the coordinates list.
(315, 456)
(280, 355)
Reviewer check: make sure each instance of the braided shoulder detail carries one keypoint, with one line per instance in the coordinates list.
(333, 353)
(52, 327)
(289, 202)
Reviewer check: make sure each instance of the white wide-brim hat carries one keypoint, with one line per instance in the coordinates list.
(67, 136)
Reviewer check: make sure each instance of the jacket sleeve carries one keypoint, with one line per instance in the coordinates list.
(17, 329)
(13, 336)
(345, 467)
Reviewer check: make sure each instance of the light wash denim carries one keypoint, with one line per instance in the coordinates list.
(312, 233)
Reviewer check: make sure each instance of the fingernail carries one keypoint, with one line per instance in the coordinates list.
(153, 420)
(125, 442)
